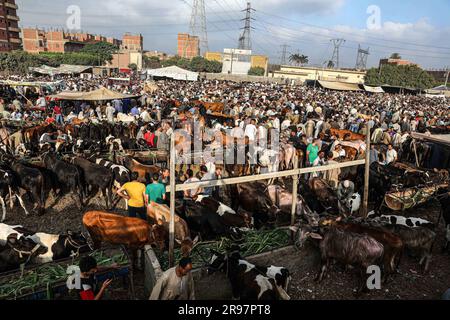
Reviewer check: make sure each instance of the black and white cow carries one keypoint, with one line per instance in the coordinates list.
(8, 186)
(401, 220)
(121, 174)
(247, 282)
(17, 251)
(281, 275)
(6, 230)
(60, 246)
(350, 205)
(114, 144)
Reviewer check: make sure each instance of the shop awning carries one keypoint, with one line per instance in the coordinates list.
(340, 86)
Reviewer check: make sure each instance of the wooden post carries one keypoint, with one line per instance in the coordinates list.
(294, 192)
(415, 153)
(366, 174)
(172, 202)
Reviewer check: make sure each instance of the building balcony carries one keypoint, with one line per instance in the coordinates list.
(15, 40)
(11, 5)
(9, 17)
(14, 29)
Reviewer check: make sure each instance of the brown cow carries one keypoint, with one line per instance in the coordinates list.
(134, 233)
(347, 135)
(145, 172)
(116, 229)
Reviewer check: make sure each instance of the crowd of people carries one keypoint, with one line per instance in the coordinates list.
(301, 114)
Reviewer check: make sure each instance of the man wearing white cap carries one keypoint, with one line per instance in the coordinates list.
(345, 190)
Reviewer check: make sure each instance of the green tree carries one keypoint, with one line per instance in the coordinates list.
(298, 59)
(19, 62)
(199, 64)
(214, 67)
(330, 64)
(395, 55)
(103, 50)
(173, 61)
(256, 71)
(402, 76)
(151, 62)
(133, 66)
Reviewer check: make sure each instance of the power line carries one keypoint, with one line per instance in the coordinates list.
(245, 43)
(352, 34)
(197, 26)
(361, 59)
(384, 52)
(284, 54)
(337, 44)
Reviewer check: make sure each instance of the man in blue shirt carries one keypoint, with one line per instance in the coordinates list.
(118, 105)
(135, 111)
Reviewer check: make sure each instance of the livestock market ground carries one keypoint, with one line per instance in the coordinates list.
(409, 284)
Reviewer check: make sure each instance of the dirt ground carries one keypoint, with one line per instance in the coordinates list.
(409, 284)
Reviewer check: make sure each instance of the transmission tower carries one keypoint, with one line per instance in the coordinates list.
(245, 42)
(197, 26)
(361, 59)
(335, 59)
(283, 59)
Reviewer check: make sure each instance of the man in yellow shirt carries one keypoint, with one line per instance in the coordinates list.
(134, 192)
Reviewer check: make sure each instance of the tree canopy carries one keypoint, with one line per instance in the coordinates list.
(298, 59)
(256, 71)
(395, 55)
(18, 62)
(197, 64)
(102, 50)
(402, 76)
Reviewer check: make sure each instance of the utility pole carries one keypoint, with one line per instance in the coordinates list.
(365, 206)
(283, 59)
(446, 79)
(337, 44)
(197, 26)
(245, 42)
(361, 59)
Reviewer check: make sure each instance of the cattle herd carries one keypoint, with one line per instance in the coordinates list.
(97, 157)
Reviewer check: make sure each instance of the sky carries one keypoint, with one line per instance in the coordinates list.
(418, 30)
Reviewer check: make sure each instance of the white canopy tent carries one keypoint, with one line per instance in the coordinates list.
(173, 72)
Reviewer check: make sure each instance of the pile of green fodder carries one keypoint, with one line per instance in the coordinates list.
(253, 242)
(46, 276)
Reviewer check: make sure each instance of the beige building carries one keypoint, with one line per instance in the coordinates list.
(158, 54)
(255, 60)
(308, 73)
(123, 59)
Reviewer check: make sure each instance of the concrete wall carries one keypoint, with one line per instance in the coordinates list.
(307, 73)
(235, 67)
(217, 286)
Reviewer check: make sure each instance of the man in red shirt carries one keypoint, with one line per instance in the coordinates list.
(58, 114)
(149, 137)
